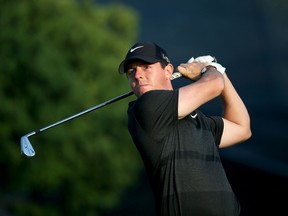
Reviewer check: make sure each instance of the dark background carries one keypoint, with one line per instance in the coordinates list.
(250, 39)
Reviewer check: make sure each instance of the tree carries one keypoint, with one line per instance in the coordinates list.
(57, 59)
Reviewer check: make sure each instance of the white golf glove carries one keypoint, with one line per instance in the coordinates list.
(210, 62)
(206, 59)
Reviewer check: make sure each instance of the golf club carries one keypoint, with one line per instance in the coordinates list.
(26, 147)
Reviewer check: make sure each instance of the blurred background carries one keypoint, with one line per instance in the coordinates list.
(59, 58)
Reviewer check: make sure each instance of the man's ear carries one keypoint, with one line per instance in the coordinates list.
(169, 70)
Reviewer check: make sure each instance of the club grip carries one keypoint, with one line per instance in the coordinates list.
(175, 75)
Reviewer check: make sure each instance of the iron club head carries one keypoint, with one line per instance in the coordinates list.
(26, 147)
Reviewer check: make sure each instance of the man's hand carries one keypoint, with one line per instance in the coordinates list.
(192, 70)
(194, 67)
(211, 61)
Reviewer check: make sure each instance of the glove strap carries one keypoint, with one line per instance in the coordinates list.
(215, 65)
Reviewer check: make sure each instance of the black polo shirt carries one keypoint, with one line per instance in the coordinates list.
(181, 157)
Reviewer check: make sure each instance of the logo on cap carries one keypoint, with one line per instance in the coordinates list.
(135, 48)
(165, 58)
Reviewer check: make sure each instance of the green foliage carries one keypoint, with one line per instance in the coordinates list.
(57, 59)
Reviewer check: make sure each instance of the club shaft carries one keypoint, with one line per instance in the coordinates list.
(82, 113)
(174, 76)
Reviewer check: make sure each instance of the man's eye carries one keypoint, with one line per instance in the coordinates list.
(130, 71)
(146, 66)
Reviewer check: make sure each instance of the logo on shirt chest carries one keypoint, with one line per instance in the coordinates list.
(193, 116)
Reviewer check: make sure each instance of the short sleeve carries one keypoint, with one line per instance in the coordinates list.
(216, 125)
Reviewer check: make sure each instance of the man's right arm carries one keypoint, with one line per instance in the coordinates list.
(206, 88)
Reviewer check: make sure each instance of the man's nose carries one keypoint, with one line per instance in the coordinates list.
(139, 72)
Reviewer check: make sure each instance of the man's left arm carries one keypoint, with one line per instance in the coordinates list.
(235, 116)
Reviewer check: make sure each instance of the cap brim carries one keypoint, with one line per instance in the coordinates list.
(147, 59)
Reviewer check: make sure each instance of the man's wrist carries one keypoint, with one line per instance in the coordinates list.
(206, 68)
(217, 66)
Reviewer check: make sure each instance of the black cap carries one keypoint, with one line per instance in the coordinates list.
(145, 51)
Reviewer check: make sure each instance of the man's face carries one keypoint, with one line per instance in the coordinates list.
(144, 77)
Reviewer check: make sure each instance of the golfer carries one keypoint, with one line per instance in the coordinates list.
(178, 143)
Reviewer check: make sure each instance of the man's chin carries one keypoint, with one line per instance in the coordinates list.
(141, 92)
(144, 89)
